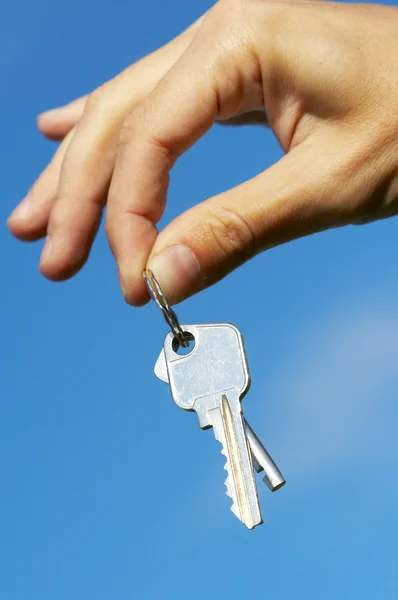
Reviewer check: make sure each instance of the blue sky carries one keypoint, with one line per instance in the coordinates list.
(108, 490)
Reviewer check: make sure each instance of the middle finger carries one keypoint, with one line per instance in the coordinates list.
(89, 161)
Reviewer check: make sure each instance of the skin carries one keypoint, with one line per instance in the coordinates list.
(324, 77)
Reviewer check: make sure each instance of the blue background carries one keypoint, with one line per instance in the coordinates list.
(108, 490)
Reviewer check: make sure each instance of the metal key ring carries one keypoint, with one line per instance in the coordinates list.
(168, 313)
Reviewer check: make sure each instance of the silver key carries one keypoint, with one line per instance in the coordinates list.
(261, 459)
(212, 380)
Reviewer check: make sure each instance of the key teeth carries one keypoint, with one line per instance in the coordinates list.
(228, 481)
(228, 486)
(229, 493)
(217, 437)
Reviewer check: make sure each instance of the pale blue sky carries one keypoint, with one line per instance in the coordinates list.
(108, 490)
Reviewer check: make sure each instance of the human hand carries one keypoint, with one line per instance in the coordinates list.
(326, 77)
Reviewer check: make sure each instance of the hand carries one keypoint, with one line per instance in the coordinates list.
(326, 77)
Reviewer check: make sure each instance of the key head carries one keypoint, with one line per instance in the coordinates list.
(217, 363)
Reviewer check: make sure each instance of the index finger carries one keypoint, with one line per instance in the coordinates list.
(181, 109)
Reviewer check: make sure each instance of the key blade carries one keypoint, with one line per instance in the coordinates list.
(236, 466)
(161, 368)
(241, 487)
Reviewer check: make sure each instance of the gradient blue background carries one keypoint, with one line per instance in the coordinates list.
(108, 490)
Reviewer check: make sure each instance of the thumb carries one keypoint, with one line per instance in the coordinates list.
(297, 196)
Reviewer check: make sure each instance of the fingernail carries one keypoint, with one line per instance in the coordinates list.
(47, 249)
(177, 270)
(21, 210)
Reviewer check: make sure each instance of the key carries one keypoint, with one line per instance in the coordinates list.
(212, 380)
(261, 459)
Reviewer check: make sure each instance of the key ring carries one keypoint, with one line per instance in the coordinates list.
(168, 313)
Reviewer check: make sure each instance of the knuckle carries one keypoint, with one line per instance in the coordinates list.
(236, 12)
(129, 127)
(235, 64)
(224, 16)
(231, 233)
(138, 125)
(103, 98)
(252, 22)
(96, 98)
